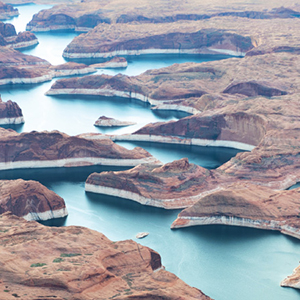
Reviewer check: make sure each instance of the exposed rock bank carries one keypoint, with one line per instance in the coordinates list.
(56, 149)
(78, 263)
(111, 122)
(10, 113)
(30, 200)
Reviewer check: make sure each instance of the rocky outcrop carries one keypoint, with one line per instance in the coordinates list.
(10, 113)
(110, 122)
(292, 280)
(155, 38)
(30, 200)
(114, 63)
(9, 37)
(56, 149)
(7, 11)
(246, 205)
(75, 262)
(72, 68)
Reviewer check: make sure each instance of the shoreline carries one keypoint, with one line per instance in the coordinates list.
(211, 51)
(173, 140)
(14, 120)
(39, 79)
(76, 162)
(46, 215)
(180, 203)
(239, 222)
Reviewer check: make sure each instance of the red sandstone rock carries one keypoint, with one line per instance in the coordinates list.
(78, 263)
(56, 149)
(31, 200)
(292, 280)
(246, 205)
(111, 122)
(10, 112)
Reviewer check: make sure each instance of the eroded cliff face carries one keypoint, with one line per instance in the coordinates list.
(79, 263)
(30, 200)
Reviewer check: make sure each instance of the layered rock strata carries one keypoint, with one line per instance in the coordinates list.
(246, 205)
(30, 200)
(71, 68)
(110, 122)
(7, 11)
(78, 263)
(114, 63)
(263, 75)
(292, 280)
(10, 113)
(56, 149)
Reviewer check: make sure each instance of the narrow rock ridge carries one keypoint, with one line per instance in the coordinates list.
(30, 200)
(38, 262)
(28, 150)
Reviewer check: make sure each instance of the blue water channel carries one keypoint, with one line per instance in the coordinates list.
(226, 263)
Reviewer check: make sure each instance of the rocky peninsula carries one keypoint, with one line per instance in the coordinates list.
(78, 263)
(56, 149)
(246, 205)
(114, 63)
(30, 200)
(10, 113)
(292, 280)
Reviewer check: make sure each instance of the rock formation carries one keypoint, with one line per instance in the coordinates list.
(115, 63)
(78, 263)
(110, 122)
(72, 68)
(263, 75)
(292, 280)
(88, 14)
(7, 11)
(246, 205)
(9, 37)
(56, 149)
(30, 200)
(10, 113)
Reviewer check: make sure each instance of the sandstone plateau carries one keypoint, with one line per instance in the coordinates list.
(39, 262)
(88, 14)
(56, 149)
(10, 113)
(30, 200)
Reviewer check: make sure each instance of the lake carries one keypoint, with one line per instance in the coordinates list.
(226, 263)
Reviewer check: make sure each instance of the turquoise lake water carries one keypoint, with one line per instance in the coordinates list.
(227, 263)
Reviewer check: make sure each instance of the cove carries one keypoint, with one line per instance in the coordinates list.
(224, 262)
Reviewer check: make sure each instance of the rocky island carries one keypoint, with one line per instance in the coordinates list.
(56, 149)
(30, 200)
(10, 113)
(78, 263)
(111, 122)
